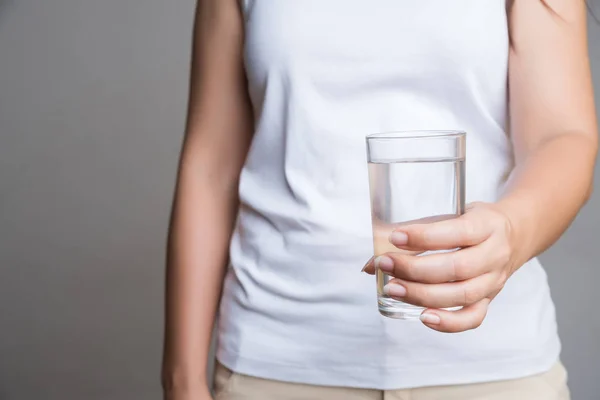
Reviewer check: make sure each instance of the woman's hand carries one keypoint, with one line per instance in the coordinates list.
(469, 277)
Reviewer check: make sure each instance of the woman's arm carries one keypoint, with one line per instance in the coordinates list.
(554, 135)
(554, 128)
(218, 134)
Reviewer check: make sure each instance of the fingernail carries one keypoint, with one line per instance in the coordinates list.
(384, 263)
(367, 264)
(398, 238)
(394, 290)
(430, 318)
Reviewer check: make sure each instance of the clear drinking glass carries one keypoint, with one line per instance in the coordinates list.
(414, 177)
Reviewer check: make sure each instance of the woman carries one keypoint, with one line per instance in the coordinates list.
(272, 198)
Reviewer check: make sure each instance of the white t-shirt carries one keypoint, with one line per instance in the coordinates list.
(322, 74)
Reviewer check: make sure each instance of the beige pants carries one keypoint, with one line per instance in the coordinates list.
(551, 385)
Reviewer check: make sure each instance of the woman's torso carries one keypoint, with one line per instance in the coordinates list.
(321, 75)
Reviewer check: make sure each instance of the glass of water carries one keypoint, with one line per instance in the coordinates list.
(414, 177)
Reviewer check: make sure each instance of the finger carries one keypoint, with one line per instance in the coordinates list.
(372, 264)
(442, 295)
(382, 231)
(444, 235)
(378, 223)
(381, 238)
(369, 267)
(458, 265)
(467, 318)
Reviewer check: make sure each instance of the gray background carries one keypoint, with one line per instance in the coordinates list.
(92, 103)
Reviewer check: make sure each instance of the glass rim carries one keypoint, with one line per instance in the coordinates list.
(417, 134)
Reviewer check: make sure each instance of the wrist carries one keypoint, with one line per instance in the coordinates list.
(184, 381)
(188, 394)
(521, 224)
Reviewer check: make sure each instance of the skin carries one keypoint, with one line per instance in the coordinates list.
(206, 196)
(555, 144)
(554, 136)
